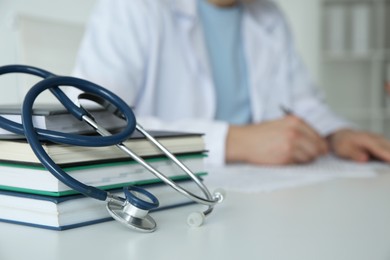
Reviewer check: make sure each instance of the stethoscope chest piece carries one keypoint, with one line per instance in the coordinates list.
(133, 211)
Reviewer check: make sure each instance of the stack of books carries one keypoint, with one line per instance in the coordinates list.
(31, 195)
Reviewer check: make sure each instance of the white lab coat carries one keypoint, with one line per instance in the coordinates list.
(152, 54)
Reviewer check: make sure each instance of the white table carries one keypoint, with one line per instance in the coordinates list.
(338, 219)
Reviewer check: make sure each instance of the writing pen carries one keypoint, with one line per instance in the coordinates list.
(286, 111)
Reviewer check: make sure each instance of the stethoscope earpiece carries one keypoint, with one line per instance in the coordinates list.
(196, 219)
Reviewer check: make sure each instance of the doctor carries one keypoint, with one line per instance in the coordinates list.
(222, 67)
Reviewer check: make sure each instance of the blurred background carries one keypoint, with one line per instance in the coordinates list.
(345, 44)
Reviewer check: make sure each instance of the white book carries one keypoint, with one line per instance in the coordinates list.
(64, 155)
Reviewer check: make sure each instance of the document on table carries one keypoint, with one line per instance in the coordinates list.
(249, 178)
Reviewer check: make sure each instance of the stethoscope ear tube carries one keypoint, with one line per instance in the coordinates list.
(210, 200)
(33, 137)
(24, 69)
(52, 82)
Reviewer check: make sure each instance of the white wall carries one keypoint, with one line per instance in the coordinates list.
(28, 32)
(28, 29)
(305, 20)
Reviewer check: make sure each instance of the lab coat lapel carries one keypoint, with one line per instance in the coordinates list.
(192, 33)
(192, 38)
(261, 51)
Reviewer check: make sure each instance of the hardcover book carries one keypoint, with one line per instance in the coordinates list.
(66, 212)
(68, 155)
(37, 180)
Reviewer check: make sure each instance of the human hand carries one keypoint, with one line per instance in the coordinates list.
(359, 146)
(285, 141)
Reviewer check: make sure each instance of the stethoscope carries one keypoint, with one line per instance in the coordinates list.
(133, 210)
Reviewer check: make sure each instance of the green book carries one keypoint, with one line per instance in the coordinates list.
(36, 179)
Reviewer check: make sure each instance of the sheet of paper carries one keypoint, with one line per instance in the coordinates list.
(249, 178)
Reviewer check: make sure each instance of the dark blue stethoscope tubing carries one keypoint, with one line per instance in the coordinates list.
(138, 202)
(9, 69)
(73, 139)
(78, 112)
(33, 137)
(65, 138)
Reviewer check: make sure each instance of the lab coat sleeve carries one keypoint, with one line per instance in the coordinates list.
(308, 100)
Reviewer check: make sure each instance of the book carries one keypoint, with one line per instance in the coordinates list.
(67, 212)
(68, 155)
(35, 179)
(57, 118)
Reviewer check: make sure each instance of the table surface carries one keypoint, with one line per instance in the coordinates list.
(337, 219)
